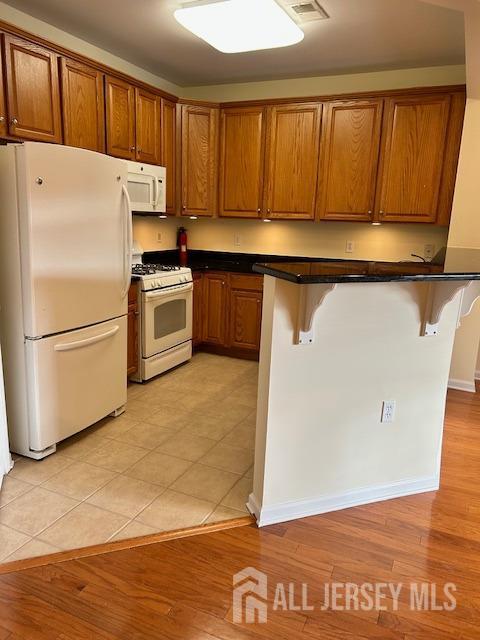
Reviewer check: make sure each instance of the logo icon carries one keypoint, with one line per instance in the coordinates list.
(249, 596)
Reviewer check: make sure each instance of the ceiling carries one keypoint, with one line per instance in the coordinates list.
(361, 35)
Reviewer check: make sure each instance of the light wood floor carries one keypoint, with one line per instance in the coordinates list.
(182, 589)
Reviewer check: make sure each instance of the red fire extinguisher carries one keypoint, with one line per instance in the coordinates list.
(182, 246)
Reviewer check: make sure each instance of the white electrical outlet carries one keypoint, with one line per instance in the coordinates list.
(388, 411)
(237, 240)
(429, 251)
(349, 246)
(159, 237)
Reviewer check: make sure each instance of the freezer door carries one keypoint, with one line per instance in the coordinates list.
(75, 380)
(74, 237)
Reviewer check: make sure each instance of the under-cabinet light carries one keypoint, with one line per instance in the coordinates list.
(235, 26)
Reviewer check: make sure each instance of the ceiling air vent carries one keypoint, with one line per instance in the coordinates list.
(306, 11)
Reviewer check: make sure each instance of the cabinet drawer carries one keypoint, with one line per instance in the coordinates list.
(246, 282)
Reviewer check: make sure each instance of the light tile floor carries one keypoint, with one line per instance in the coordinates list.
(180, 455)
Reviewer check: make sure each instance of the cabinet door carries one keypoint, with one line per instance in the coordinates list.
(132, 340)
(148, 126)
(132, 331)
(197, 327)
(120, 109)
(293, 135)
(33, 91)
(452, 152)
(83, 106)
(3, 104)
(350, 151)
(169, 152)
(242, 158)
(245, 319)
(413, 155)
(214, 314)
(199, 157)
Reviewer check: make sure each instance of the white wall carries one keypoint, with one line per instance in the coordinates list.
(324, 85)
(324, 239)
(465, 223)
(64, 39)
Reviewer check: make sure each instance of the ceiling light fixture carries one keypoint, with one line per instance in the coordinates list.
(235, 26)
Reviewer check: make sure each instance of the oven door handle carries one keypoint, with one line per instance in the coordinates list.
(165, 293)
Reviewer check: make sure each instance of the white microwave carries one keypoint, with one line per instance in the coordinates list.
(146, 186)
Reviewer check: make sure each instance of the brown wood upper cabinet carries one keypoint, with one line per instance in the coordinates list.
(33, 91)
(169, 151)
(413, 155)
(199, 160)
(350, 149)
(147, 118)
(291, 164)
(242, 158)
(83, 106)
(120, 110)
(3, 104)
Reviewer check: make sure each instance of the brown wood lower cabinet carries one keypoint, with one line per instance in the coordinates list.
(132, 340)
(197, 329)
(227, 312)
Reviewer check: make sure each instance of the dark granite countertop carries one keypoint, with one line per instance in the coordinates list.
(199, 260)
(452, 264)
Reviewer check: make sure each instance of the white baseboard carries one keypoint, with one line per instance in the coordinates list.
(477, 374)
(461, 385)
(315, 506)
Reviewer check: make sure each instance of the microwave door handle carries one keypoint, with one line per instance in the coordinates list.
(155, 191)
(128, 240)
(158, 190)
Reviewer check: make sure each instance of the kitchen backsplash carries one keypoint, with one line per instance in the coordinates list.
(316, 240)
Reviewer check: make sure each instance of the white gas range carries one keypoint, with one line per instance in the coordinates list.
(165, 328)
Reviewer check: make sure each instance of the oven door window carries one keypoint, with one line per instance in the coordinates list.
(169, 317)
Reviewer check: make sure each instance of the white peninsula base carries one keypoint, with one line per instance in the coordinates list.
(320, 443)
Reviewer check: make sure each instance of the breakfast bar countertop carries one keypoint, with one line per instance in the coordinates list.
(452, 264)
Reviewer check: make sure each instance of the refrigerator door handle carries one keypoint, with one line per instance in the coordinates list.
(78, 344)
(128, 238)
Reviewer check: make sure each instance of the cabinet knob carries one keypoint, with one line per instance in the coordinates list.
(2, 118)
(269, 211)
(14, 121)
(139, 150)
(259, 211)
(184, 207)
(369, 213)
(381, 213)
(132, 148)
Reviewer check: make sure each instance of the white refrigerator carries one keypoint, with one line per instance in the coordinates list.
(65, 259)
